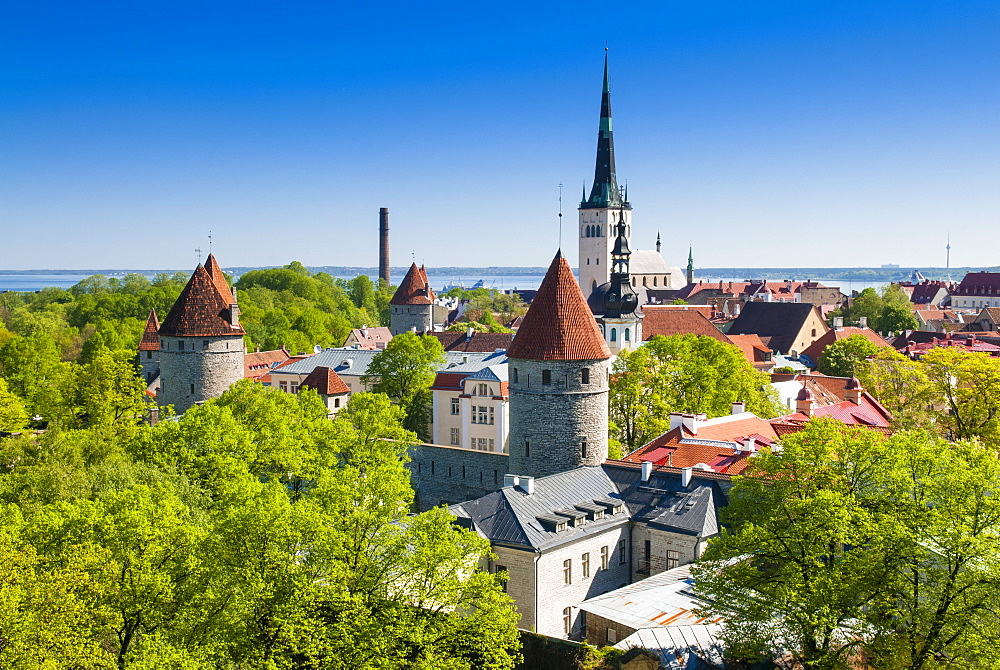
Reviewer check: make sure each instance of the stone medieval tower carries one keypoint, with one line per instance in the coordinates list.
(558, 371)
(412, 306)
(149, 349)
(605, 208)
(201, 341)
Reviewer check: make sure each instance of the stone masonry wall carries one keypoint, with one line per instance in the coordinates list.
(197, 372)
(556, 419)
(149, 365)
(406, 317)
(688, 549)
(448, 475)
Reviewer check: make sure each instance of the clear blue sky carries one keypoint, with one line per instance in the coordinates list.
(764, 133)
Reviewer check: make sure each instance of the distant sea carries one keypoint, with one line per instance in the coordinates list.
(36, 282)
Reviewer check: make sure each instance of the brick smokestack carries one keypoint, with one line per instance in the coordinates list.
(383, 244)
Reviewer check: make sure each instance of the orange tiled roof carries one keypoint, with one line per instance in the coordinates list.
(559, 325)
(326, 381)
(660, 321)
(479, 342)
(219, 278)
(150, 340)
(414, 289)
(815, 350)
(753, 348)
(200, 311)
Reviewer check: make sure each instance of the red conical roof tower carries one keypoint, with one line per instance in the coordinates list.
(415, 289)
(201, 310)
(559, 325)
(219, 278)
(150, 340)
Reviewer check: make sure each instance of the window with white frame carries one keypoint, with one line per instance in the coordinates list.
(455, 405)
(585, 565)
(604, 557)
(455, 438)
(673, 559)
(567, 621)
(568, 571)
(621, 552)
(484, 414)
(483, 390)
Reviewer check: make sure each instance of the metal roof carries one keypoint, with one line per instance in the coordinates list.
(680, 647)
(355, 362)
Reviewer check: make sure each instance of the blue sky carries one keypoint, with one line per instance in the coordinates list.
(771, 133)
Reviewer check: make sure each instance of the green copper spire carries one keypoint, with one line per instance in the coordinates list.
(690, 267)
(605, 191)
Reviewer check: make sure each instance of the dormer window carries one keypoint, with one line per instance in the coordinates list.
(483, 389)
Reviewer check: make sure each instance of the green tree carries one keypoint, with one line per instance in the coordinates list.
(404, 371)
(840, 358)
(901, 385)
(109, 391)
(966, 388)
(13, 416)
(682, 373)
(868, 304)
(896, 318)
(848, 545)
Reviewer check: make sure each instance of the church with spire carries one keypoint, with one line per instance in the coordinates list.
(606, 227)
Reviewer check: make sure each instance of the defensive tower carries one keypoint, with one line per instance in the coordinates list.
(201, 341)
(558, 371)
(412, 305)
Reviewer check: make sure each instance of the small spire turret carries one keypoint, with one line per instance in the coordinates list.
(690, 267)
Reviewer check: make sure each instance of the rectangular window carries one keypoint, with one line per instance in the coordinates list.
(604, 557)
(180, 345)
(483, 413)
(647, 551)
(454, 436)
(149, 354)
(567, 621)
(482, 444)
(504, 579)
(295, 387)
(585, 376)
(492, 444)
(454, 405)
(491, 416)
(546, 377)
(673, 559)
(484, 389)
(472, 443)
(513, 375)
(192, 389)
(621, 552)
(283, 386)
(204, 344)
(585, 565)
(336, 402)
(568, 571)
(612, 635)
(527, 449)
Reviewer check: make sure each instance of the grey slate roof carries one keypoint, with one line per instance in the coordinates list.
(490, 373)
(779, 321)
(511, 516)
(359, 360)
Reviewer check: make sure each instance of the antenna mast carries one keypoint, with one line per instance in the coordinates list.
(560, 214)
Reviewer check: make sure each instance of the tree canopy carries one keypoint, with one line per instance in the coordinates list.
(404, 371)
(840, 358)
(250, 532)
(847, 547)
(681, 373)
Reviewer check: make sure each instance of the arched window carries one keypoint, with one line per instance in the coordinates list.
(643, 281)
(614, 334)
(628, 335)
(633, 281)
(654, 281)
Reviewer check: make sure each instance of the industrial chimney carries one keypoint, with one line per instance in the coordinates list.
(383, 245)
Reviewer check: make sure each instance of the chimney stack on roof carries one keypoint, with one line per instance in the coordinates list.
(647, 470)
(804, 402)
(739, 407)
(853, 390)
(686, 474)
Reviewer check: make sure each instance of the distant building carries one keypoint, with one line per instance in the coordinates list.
(331, 388)
(412, 306)
(471, 407)
(368, 338)
(977, 290)
(789, 328)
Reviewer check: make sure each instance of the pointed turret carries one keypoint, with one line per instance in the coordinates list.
(412, 305)
(150, 340)
(219, 278)
(201, 310)
(559, 325)
(604, 192)
(690, 267)
(620, 299)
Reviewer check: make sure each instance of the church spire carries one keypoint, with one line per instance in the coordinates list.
(605, 191)
(690, 267)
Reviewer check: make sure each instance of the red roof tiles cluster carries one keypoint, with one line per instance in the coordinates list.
(150, 340)
(325, 381)
(478, 342)
(966, 341)
(559, 325)
(258, 363)
(979, 283)
(815, 350)
(665, 321)
(415, 289)
(200, 311)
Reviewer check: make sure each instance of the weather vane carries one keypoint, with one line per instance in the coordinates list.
(210, 241)
(198, 251)
(560, 214)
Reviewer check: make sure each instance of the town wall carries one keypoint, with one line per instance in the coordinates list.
(205, 368)
(556, 419)
(449, 475)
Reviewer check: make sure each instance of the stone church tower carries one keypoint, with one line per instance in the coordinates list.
(201, 341)
(412, 305)
(605, 208)
(558, 368)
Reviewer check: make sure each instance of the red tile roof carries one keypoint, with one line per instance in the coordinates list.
(479, 342)
(559, 325)
(219, 278)
(326, 381)
(200, 311)
(753, 348)
(415, 289)
(150, 340)
(259, 363)
(659, 321)
(866, 413)
(979, 283)
(369, 338)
